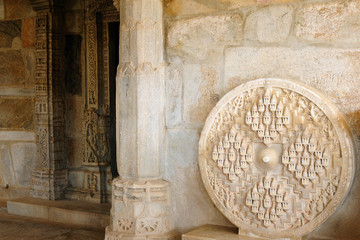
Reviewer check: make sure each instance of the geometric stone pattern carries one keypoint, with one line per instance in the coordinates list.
(145, 210)
(276, 158)
(49, 179)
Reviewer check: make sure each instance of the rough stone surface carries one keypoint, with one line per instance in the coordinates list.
(76, 178)
(187, 7)
(28, 32)
(180, 8)
(74, 116)
(24, 156)
(174, 94)
(201, 92)
(333, 71)
(74, 21)
(12, 68)
(335, 21)
(20, 136)
(2, 10)
(74, 152)
(204, 38)
(17, 113)
(29, 60)
(9, 30)
(188, 193)
(15, 227)
(7, 175)
(269, 24)
(15, 9)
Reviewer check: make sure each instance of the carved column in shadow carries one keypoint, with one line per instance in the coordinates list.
(49, 179)
(140, 199)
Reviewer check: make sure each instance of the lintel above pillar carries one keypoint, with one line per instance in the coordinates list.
(46, 5)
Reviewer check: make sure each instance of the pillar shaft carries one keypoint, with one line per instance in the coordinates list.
(140, 90)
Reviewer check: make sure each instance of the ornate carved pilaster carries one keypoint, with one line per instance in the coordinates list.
(96, 120)
(140, 206)
(49, 179)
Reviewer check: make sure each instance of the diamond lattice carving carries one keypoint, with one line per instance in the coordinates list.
(276, 158)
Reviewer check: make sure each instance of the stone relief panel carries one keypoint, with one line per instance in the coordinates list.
(95, 176)
(276, 158)
(96, 139)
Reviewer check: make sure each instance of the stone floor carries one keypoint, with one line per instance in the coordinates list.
(15, 227)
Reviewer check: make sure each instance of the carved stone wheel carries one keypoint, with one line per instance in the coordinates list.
(276, 158)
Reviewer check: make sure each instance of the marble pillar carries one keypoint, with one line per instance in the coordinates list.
(140, 201)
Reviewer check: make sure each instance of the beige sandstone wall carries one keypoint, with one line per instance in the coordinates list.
(18, 148)
(213, 46)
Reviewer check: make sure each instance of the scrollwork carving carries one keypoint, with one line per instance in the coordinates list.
(97, 146)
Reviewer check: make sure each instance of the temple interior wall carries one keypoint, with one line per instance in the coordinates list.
(213, 46)
(18, 148)
(18, 141)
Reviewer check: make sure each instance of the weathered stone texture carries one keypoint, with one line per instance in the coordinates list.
(174, 94)
(7, 176)
(335, 21)
(269, 24)
(191, 204)
(2, 10)
(236, 3)
(204, 38)
(74, 116)
(28, 32)
(24, 156)
(20, 136)
(76, 178)
(9, 31)
(17, 113)
(30, 67)
(74, 21)
(15, 9)
(201, 92)
(188, 7)
(334, 71)
(74, 152)
(12, 68)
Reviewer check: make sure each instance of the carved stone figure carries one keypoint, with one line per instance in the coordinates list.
(271, 164)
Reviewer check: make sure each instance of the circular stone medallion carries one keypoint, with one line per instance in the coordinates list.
(276, 158)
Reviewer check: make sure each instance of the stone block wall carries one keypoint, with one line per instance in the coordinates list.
(213, 46)
(18, 147)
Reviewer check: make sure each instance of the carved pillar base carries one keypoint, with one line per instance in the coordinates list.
(140, 210)
(48, 184)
